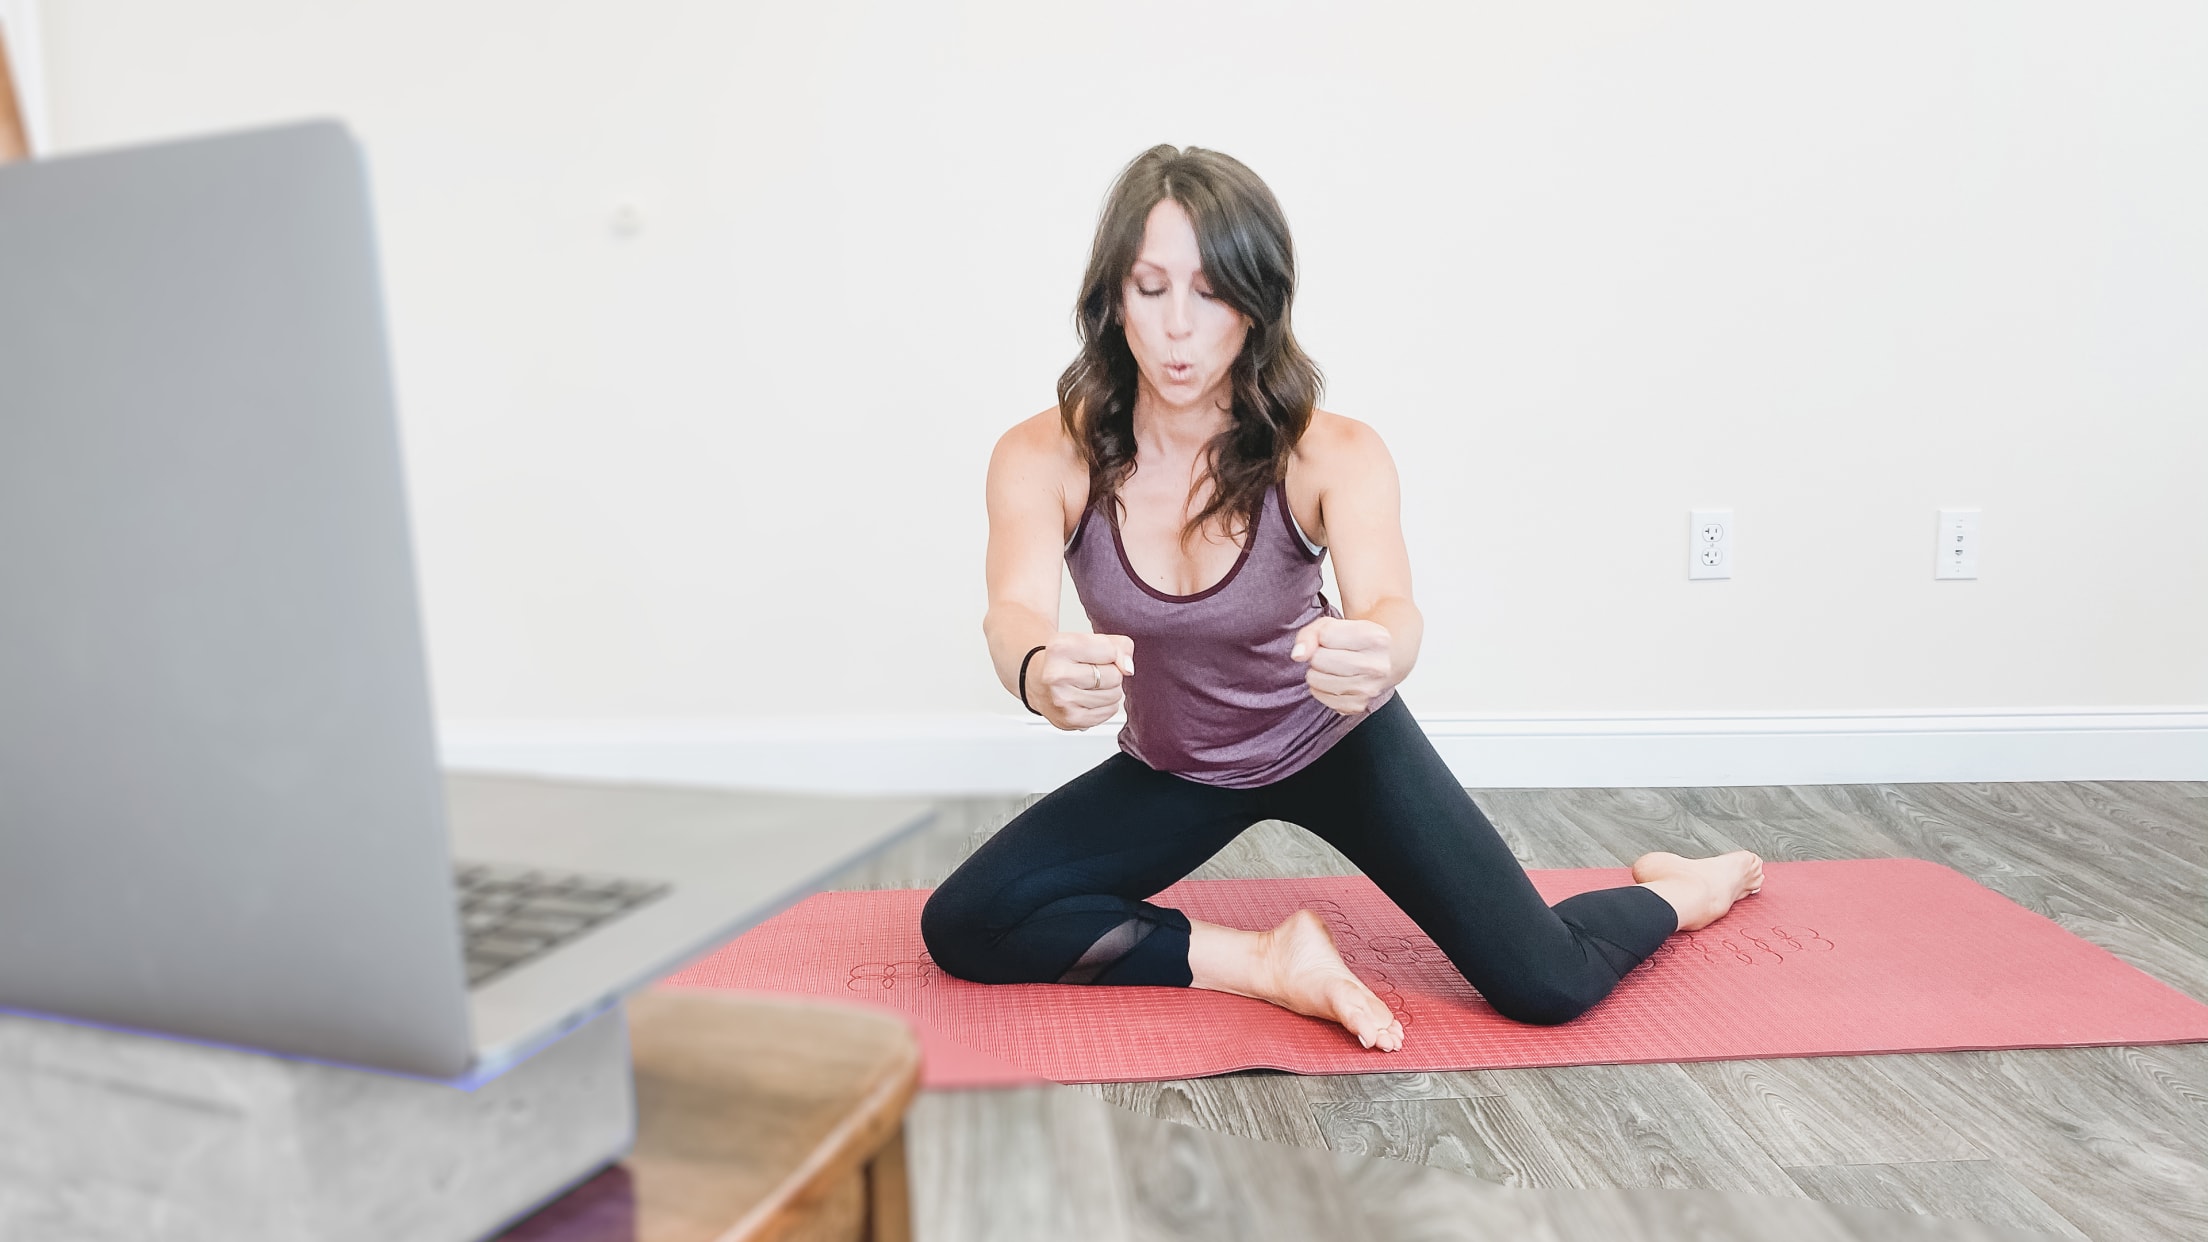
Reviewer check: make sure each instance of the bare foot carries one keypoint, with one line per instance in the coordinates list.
(1700, 889)
(1302, 970)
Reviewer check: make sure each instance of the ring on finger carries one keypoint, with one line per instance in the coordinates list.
(1097, 678)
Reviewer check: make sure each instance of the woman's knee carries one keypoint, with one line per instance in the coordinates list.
(953, 928)
(1542, 1001)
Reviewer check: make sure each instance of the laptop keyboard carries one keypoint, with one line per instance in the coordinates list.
(510, 916)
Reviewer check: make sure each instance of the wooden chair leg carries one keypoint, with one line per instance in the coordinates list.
(14, 143)
(889, 1193)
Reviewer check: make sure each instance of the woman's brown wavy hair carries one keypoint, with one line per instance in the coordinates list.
(1251, 265)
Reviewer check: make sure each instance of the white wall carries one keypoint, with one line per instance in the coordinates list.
(1584, 266)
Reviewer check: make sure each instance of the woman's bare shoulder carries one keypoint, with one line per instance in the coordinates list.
(1043, 434)
(1038, 448)
(1335, 442)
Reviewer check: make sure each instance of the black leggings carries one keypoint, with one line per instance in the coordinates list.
(1058, 896)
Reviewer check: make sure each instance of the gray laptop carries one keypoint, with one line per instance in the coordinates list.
(221, 814)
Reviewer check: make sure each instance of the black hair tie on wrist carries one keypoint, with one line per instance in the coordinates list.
(1023, 677)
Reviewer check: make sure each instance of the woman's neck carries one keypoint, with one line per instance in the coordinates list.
(1166, 432)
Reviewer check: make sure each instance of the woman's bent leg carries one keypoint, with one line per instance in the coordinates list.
(1385, 799)
(1058, 895)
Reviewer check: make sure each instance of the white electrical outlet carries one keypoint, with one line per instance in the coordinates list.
(1958, 544)
(1710, 543)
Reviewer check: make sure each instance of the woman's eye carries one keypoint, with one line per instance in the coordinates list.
(1149, 293)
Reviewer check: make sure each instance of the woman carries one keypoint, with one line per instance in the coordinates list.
(1191, 486)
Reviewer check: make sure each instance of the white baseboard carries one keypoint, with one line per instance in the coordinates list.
(987, 753)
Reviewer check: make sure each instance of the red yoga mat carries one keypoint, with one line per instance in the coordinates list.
(1880, 955)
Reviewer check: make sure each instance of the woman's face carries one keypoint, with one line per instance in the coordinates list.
(1183, 339)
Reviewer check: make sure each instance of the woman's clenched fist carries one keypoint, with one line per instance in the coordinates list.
(1074, 681)
(1350, 666)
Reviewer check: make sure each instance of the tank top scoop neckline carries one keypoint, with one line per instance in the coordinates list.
(1276, 498)
(1216, 699)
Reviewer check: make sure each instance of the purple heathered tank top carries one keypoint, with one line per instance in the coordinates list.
(1215, 697)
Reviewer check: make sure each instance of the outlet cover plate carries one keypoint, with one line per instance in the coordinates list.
(1710, 543)
(1958, 544)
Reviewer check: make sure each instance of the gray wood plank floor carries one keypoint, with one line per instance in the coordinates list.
(2103, 1143)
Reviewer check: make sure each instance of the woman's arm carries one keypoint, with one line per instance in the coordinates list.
(1374, 646)
(1075, 680)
